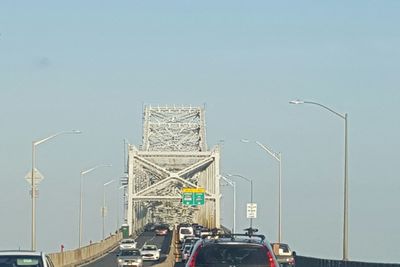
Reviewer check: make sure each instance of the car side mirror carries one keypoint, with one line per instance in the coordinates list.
(294, 253)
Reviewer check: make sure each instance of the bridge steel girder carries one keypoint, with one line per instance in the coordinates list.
(174, 155)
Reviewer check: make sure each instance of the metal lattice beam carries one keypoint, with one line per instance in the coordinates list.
(173, 155)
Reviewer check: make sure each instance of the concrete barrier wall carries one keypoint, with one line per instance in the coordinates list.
(85, 254)
(170, 260)
(316, 262)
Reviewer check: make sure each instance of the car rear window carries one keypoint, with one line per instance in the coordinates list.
(149, 248)
(216, 255)
(12, 261)
(128, 241)
(284, 247)
(130, 253)
(185, 231)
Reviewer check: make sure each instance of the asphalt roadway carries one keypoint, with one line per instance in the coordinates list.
(162, 242)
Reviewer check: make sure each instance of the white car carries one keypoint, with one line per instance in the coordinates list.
(129, 258)
(150, 252)
(127, 243)
(185, 231)
(24, 258)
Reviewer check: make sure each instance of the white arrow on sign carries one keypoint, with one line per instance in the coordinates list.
(37, 177)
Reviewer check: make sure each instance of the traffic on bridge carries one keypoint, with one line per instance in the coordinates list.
(172, 205)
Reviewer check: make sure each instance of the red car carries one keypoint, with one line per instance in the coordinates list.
(161, 231)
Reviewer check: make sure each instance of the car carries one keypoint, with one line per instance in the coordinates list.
(150, 252)
(149, 227)
(129, 257)
(237, 250)
(161, 230)
(205, 232)
(284, 255)
(26, 258)
(189, 240)
(127, 243)
(186, 251)
(197, 230)
(185, 231)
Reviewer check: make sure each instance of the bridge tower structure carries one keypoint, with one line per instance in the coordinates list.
(173, 156)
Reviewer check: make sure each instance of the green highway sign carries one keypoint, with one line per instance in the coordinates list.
(193, 196)
(187, 198)
(198, 198)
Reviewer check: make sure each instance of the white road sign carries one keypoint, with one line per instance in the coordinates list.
(37, 177)
(251, 210)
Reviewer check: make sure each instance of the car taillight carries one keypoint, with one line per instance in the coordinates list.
(271, 259)
(192, 262)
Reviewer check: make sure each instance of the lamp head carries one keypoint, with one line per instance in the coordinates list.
(76, 131)
(109, 182)
(297, 101)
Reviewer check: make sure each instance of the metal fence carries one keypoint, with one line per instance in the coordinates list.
(315, 262)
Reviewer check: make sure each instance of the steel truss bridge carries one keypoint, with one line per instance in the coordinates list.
(173, 155)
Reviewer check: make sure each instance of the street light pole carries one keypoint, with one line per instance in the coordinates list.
(278, 157)
(81, 198)
(346, 182)
(233, 184)
(251, 191)
(33, 182)
(103, 213)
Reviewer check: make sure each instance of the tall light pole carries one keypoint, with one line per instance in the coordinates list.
(233, 184)
(278, 157)
(33, 182)
(346, 192)
(118, 202)
(251, 190)
(81, 198)
(103, 210)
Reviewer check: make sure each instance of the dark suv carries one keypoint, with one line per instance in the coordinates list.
(233, 250)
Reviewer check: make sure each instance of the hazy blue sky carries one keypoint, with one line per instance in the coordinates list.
(91, 65)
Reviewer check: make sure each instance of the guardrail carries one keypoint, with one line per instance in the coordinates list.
(85, 254)
(302, 261)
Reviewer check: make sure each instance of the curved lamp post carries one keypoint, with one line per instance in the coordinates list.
(251, 190)
(103, 210)
(345, 201)
(33, 182)
(278, 157)
(81, 197)
(233, 184)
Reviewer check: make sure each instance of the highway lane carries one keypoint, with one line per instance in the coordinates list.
(146, 237)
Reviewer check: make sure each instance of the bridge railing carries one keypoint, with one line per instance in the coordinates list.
(85, 254)
(302, 261)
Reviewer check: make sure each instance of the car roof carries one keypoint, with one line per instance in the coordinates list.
(20, 253)
(247, 238)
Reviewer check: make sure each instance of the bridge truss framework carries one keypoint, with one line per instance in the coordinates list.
(173, 155)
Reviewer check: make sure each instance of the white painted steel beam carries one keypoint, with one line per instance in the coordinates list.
(173, 155)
